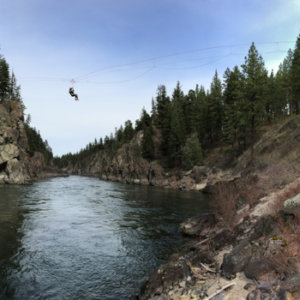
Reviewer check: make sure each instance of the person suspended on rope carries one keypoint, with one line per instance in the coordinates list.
(71, 91)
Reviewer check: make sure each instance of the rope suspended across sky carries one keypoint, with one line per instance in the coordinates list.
(177, 54)
(156, 64)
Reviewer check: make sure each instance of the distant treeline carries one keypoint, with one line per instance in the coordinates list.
(37, 144)
(9, 90)
(229, 114)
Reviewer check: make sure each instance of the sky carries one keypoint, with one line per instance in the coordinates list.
(119, 52)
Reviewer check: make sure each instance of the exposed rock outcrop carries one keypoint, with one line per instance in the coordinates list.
(127, 165)
(292, 205)
(14, 160)
(16, 165)
(258, 257)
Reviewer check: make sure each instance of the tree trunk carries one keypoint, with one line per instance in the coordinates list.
(290, 103)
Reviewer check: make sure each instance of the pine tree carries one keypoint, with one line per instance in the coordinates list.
(277, 98)
(284, 82)
(233, 125)
(295, 77)
(128, 131)
(215, 110)
(189, 111)
(147, 142)
(177, 128)
(255, 90)
(194, 110)
(201, 113)
(162, 119)
(101, 143)
(192, 152)
(270, 100)
(145, 124)
(144, 121)
(28, 120)
(162, 106)
(119, 135)
(14, 89)
(4, 79)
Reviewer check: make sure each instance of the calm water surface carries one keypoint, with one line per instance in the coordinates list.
(82, 238)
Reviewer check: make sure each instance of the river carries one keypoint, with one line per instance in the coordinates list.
(82, 238)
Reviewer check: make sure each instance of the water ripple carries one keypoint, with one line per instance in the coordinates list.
(82, 238)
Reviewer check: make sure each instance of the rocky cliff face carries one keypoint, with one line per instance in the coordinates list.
(16, 165)
(126, 165)
(14, 160)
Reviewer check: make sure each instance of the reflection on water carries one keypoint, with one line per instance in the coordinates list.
(82, 238)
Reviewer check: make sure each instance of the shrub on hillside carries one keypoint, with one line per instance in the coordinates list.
(192, 152)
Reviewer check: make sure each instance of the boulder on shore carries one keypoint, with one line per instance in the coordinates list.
(237, 259)
(194, 226)
(292, 205)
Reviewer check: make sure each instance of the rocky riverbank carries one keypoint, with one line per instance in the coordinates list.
(276, 157)
(128, 166)
(258, 257)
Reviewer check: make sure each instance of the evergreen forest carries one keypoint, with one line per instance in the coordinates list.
(229, 115)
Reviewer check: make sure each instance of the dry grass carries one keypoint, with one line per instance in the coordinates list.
(249, 190)
(227, 197)
(224, 201)
(287, 260)
(278, 175)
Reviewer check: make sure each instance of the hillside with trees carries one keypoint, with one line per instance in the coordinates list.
(183, 129)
